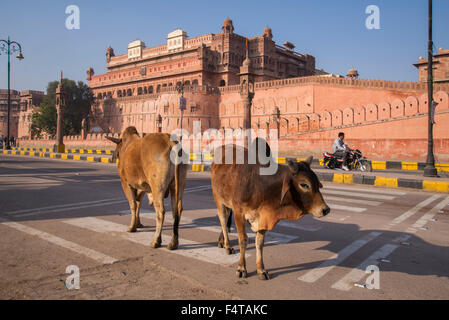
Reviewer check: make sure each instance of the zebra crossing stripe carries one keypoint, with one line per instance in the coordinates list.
(337, 258)
(414, 210)
(90, 253)
(188, 248)
(345, 208)
(425, 218)
(357, 194)
(368, 190)
(350, 200)
(270, 237)
(347, 282)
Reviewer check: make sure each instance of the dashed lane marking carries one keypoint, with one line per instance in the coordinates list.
(358, 194)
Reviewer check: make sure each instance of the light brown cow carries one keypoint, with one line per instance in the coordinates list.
(262, 200)
(145, 166)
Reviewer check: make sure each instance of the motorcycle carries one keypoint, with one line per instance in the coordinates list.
(354, 161)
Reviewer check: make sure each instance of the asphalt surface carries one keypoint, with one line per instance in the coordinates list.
(57, 213)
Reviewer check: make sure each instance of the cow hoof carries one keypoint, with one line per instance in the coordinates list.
(131, 229)
(220, 244)
(139, 225)
(241, 273)
(155, 244)
(264, 276)
(172, 246)
(230, 250)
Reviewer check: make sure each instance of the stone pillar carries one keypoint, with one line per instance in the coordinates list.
(246, 93)
(60, 105)
(84, 128)
(246, 112)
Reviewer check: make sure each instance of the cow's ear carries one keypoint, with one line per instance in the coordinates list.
(293, 166)
(305, 165)
(309, 160)
(285, 187)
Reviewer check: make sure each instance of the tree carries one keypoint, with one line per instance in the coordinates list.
(78, 99)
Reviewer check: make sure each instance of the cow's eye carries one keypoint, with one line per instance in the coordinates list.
(305, 186)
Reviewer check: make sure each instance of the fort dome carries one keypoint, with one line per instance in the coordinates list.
(227, 27)
(267, 32)
(352, 73)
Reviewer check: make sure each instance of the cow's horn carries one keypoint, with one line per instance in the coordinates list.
(115, 140)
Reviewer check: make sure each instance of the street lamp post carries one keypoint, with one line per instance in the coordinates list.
(182, 102)
(430, 170)
(10, 47)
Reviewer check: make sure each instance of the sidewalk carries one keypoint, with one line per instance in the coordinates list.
(383, 175)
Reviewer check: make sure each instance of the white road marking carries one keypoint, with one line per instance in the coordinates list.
(59, 206)
(371, 190)
(337, 258)
(426, 218)
(188, 248)
(414, 210)
(358, 201)
(72, 208)
(82, 205)
(356, 274)
(205, 187)
(297, 225)
(347, 282)
(358, 194)
(90, 253)
(270, 236)
(345, 208)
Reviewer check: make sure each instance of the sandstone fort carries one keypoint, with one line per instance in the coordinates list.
(231, 80)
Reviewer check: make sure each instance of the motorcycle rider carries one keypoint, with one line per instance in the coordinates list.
(339, 149)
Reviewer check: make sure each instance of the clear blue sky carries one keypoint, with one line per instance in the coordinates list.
(333, 31)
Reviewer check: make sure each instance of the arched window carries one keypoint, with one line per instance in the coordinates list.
(158, 89)
(150, 89)
(187, 83)
(129, 92)
(195, 82)
(145, 90)
(222, 83)
(139, 91)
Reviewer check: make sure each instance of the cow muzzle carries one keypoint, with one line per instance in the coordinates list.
(321, 212)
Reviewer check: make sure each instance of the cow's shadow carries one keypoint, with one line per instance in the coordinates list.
(416, 256)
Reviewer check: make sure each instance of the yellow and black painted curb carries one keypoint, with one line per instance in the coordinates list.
(391, 182)
(68, 156)
(67, 150)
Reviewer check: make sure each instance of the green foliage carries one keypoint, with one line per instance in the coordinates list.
(78, 99)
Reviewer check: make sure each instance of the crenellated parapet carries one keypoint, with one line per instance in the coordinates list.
(350, 83)
(410, 107)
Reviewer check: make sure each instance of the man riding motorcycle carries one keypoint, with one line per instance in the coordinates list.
(339, 149)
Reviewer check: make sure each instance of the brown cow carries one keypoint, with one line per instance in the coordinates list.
(262, 200)
(145, 166)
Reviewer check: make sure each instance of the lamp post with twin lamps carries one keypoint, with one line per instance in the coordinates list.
(9, 47)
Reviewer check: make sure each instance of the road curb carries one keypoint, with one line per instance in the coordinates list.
(390, 182)
(343, 178)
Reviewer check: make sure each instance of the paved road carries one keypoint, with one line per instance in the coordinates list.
(56, 213)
